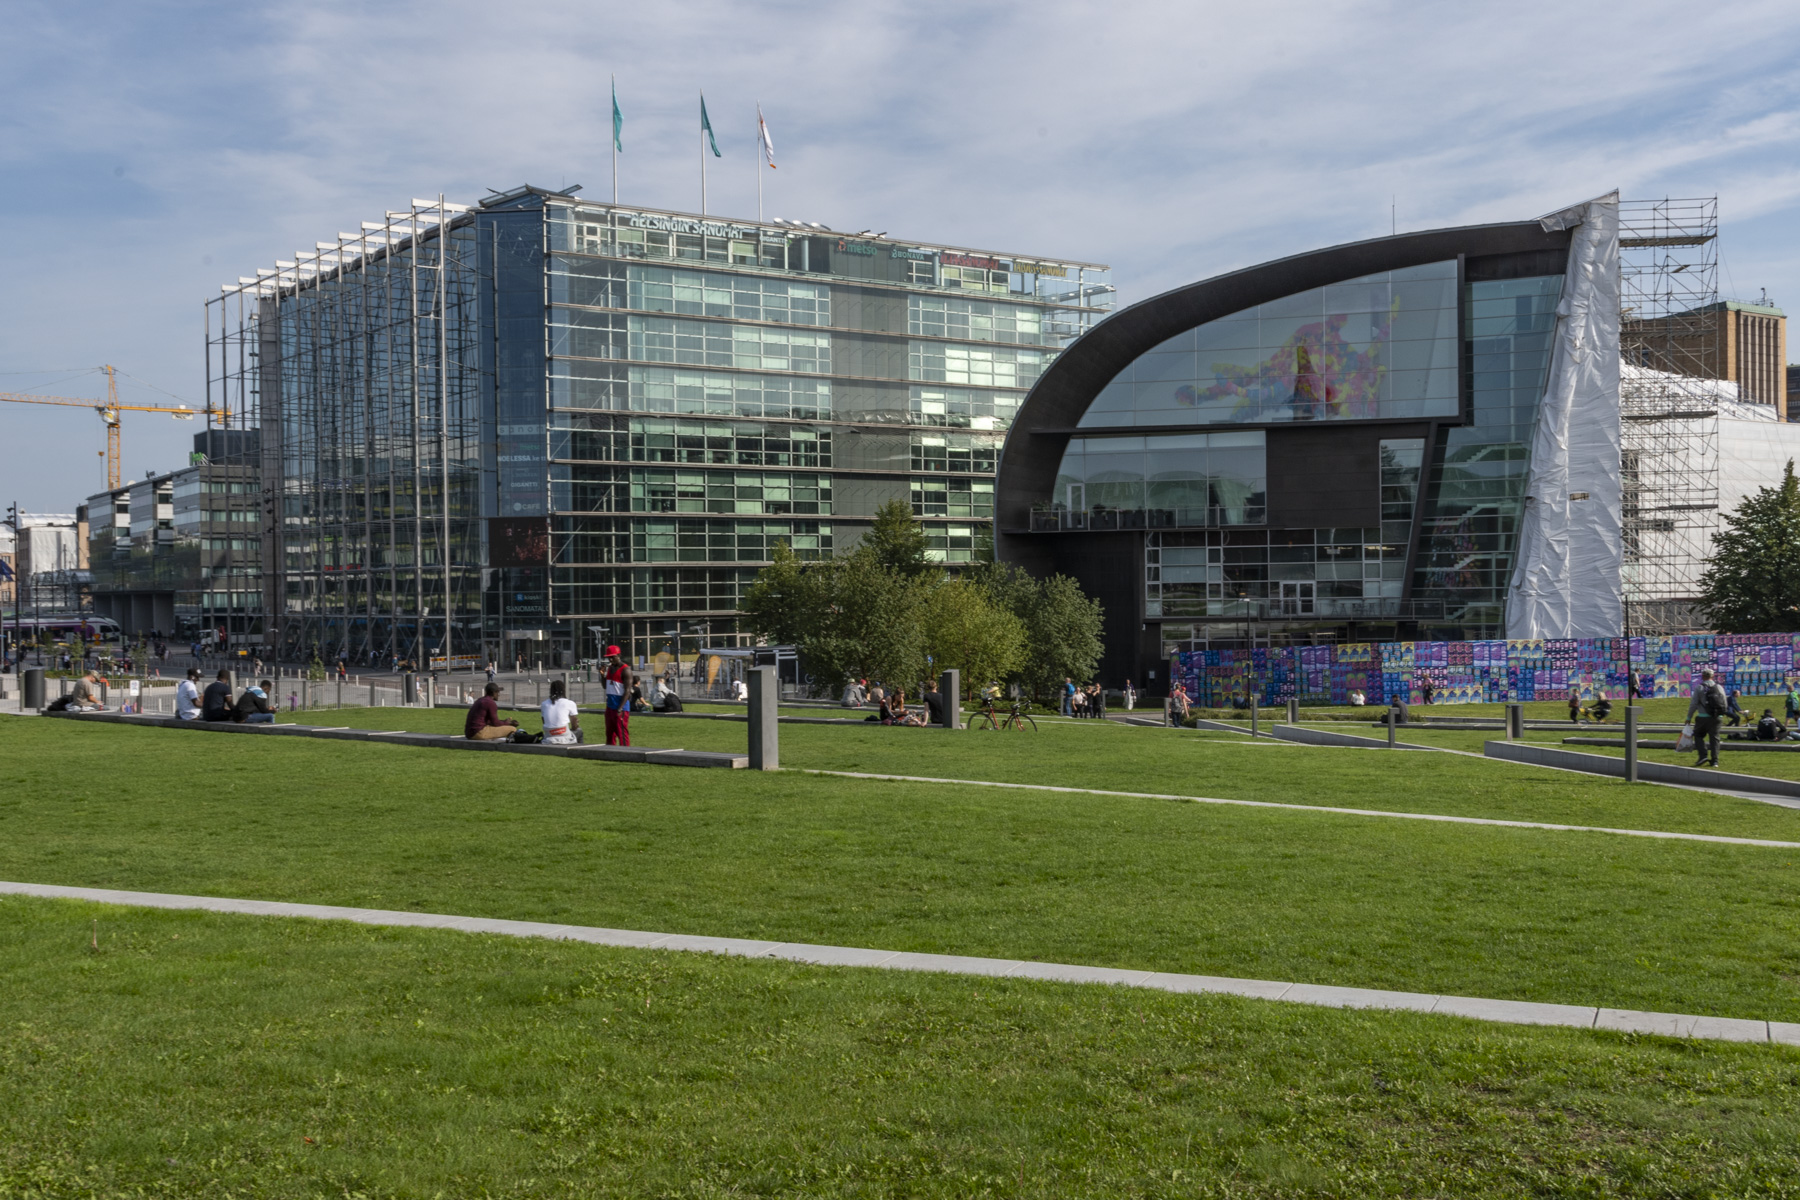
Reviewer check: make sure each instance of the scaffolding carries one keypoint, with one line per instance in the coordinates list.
(358, 363)
(1668, 396)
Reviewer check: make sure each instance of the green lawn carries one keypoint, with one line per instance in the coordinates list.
(1574, 918)
(198, 1055)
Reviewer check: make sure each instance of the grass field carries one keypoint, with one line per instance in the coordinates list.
(195, 1052)
(197, 1055)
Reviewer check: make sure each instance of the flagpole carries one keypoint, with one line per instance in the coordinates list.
(614, 138)
(759, 158)
(703, 157)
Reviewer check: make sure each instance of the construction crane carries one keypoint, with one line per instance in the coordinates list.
(109, 413)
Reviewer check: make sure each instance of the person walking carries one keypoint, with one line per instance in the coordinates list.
(1710, 705)
(618, 705)
(1068, 702)
(1575, 702)
(1793, 705)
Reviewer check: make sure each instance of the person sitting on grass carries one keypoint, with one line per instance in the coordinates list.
(253, 707)
(934, 705)
(1768, 729)
(562, 724)
(484, 723)
(1357, 698)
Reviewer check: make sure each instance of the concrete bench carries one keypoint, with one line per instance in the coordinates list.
(441, 741)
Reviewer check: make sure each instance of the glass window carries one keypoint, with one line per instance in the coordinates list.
(1163, 481)
(1384, 345)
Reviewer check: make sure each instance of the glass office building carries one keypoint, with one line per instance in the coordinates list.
(525, 427)
(1332, 447)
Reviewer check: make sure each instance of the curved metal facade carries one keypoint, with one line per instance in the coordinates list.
(1110, 563)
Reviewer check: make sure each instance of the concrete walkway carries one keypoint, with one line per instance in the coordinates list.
(1322, 808)
(1511, 1012)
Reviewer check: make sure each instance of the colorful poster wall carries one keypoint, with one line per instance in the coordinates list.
(1754, 664)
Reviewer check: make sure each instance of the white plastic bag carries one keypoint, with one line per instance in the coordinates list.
(1686, 740)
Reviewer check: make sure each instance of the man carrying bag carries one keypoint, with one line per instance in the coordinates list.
(1711, 704)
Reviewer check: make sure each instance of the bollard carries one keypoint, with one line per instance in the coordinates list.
(1294, 711)
(371, 693)
(1253, 716)
(1393, 720)
(104, 693)
(34, 688)
(306, 693)
(950, 688)
(765, 727)
(409, 688)
(340, 693)
(1515, 722)
(1632, 712)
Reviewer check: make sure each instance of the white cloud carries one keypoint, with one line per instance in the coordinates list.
(1172, 140)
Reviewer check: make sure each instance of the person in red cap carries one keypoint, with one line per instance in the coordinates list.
(618, 705)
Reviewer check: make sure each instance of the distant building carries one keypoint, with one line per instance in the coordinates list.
(1793, 387)
(539, 424)
(8, 571)
(1733, 340)
(49, 559)
(180, 553)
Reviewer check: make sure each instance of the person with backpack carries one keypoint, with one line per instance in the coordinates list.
(1768, 729)
(1711, 704)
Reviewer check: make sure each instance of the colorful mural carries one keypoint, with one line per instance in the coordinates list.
(1316, 375)
(1756, 664)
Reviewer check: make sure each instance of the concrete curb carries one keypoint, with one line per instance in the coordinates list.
(438, 741)
(1510, 1012)
(1320, 737)
(1605, 764)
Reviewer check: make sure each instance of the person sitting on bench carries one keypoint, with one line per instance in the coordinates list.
(215, 702)
(253, 707)
(484, 723)
(562, 724)
(84, 698)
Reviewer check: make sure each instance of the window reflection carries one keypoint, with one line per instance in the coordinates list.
(1160, 482)
(1384, 345)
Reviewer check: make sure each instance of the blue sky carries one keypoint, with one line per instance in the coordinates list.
(154, 151)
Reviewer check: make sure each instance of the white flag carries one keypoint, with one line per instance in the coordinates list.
(768, 143)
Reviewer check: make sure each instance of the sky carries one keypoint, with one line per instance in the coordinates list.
(156, 150)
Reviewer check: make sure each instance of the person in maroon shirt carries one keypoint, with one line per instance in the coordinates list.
(484, 723)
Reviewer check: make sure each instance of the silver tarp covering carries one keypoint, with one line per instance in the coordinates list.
(1571, 547)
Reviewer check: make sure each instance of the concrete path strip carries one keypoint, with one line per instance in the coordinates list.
(1323, 808)
(1510, 1012)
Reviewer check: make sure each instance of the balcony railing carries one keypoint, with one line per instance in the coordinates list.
(1100, 520)
(1303, 607)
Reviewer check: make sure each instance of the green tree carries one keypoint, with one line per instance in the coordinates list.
(966, 629)
(897, 540)
(1753, 575)
(1064, 635)
(1062, 624)
(783, 604)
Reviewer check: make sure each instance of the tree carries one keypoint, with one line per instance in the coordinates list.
(966, 629)
(1062, 624)
(1064, 631)
(897, 540)
(1753, 575)
(782, 604)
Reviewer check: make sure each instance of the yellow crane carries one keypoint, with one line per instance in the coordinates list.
(109, 413)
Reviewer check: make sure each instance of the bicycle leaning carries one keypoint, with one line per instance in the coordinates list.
(992, 718)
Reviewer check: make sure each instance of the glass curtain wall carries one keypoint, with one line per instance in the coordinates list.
(717, 388)
(1475, 492)
(378, 387)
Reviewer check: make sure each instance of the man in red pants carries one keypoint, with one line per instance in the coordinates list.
(618, 699)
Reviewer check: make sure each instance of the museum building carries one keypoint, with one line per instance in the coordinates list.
(1383, 441)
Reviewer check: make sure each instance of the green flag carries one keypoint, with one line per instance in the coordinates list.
(706, 128)
(618, 119)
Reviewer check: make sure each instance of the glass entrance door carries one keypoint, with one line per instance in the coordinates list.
(1297, 599)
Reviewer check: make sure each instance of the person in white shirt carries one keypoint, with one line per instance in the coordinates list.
(187, 697)
(739, 692)
(562, 727)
